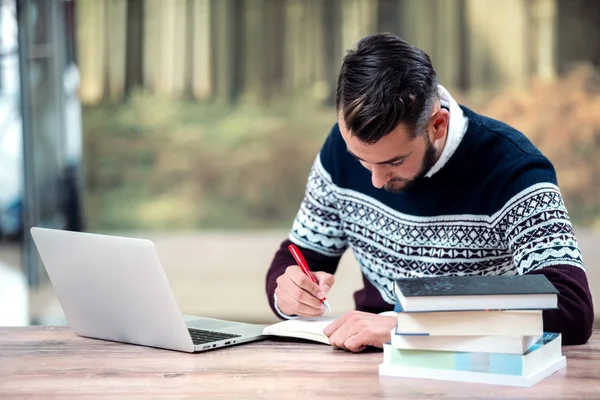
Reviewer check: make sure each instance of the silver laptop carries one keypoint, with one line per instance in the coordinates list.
(115, 288)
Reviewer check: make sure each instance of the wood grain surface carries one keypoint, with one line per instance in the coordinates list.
(51, 362)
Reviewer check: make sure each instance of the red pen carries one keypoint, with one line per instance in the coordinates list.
(302, 263)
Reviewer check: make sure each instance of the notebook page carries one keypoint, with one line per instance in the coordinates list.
(305, 327)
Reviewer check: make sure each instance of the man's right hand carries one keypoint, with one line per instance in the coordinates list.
(297, 294)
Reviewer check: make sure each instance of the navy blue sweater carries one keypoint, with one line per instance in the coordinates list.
(493, 208)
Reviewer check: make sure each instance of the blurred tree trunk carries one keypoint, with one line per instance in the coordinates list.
(201, 71)
(305, 49)
(91, 49)
(498, 61)
(442, 37)
(388, 16)
(418, 20)
(224, 50)
(116, 30)
(463, 75)
(358, 19)
(293, 45)
(332, 45)
(275, 29)
(306, 70)
(448, 40)
(172, 48)
(151, 44)
(253, 50)
(578, 24)
(188, 91)
(317, 77)
(134, 55)
(544, 40)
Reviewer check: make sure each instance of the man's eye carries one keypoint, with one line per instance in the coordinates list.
(358, 159)
(397, 163)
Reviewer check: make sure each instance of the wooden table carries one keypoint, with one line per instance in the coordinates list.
(51, 362)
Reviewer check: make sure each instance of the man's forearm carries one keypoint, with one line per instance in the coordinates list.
(574, 316)
(283, 259)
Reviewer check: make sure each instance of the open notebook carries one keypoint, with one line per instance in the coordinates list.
(309, 328)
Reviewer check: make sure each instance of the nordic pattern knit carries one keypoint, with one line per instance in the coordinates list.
(493, 208)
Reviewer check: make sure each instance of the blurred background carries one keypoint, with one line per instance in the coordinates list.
(194, 123)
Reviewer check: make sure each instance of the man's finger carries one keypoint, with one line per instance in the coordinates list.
(355, 343)
(334, 326)
(326, 281)
(302, 295)
(290, 302)
(341, 335)
(292, 282)
(304, 282)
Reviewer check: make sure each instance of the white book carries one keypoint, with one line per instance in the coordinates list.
(472, 323)
(547, 348)
(475, 377)
(476, 344)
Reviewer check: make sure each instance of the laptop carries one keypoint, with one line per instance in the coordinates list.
(115, 288)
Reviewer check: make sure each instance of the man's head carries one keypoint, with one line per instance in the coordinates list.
(389, 111)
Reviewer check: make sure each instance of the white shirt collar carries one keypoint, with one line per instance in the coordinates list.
(457, 126)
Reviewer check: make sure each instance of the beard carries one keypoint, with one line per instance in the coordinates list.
(397, 185)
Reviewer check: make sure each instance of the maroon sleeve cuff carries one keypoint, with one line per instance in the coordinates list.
(574, 317)
(283, 259)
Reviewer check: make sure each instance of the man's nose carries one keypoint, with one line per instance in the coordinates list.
(379, 177)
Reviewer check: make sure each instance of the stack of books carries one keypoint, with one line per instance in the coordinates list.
(486, 329)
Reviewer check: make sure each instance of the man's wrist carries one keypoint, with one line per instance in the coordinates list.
(281, 313)
(389, 314)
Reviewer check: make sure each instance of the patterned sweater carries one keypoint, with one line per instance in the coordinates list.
(489, 206)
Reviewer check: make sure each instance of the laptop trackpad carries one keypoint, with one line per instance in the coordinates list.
(209, 323)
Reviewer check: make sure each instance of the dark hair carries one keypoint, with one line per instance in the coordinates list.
(385, 81)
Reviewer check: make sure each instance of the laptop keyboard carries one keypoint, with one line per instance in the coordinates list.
(200, 336)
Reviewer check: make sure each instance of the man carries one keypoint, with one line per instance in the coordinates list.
(418, 185)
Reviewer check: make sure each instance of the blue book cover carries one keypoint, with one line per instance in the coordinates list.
(397, 305)
(508, 364)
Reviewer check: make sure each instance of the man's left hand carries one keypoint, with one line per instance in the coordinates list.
(356, 330)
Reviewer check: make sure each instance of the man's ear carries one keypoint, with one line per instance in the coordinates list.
(439, 122)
